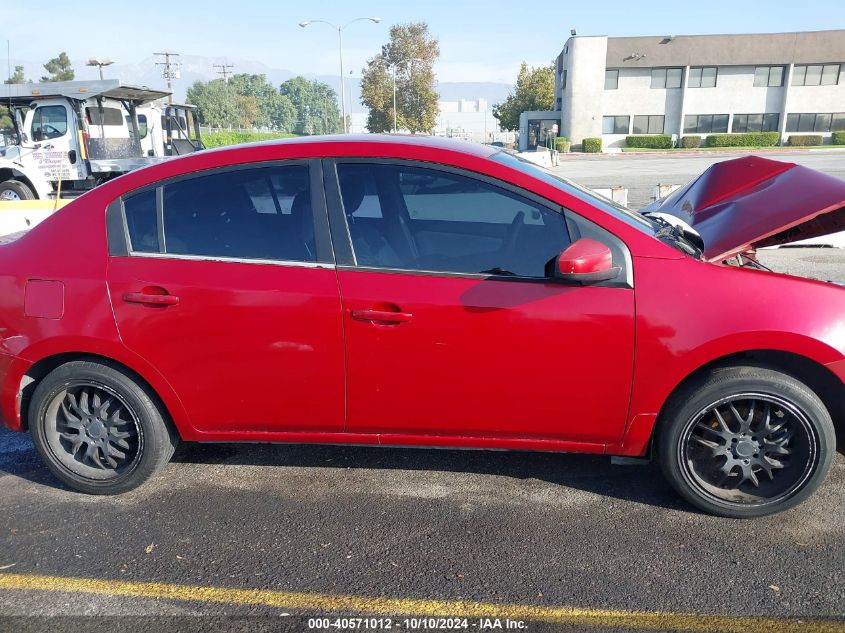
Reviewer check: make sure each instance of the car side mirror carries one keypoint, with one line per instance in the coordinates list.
(586, 261)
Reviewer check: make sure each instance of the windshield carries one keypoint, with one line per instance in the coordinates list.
(546, 175)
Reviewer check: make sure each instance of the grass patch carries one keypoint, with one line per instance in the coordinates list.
(223, 139)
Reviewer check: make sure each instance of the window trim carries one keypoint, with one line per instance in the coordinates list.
(768, 83)
(823, 65)
(701, 77)
(665, 85)
(614, 117)
(117, 229)
(712, 119)
(340, 225)
(648, 118)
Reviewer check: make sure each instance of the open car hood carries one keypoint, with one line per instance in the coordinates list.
(750, 202)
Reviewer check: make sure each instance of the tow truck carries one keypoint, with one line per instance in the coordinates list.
(70, 136)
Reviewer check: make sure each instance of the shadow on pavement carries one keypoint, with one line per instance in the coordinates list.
(589, 473)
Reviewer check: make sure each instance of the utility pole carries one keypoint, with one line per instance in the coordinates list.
(170, 71)
(224, 70)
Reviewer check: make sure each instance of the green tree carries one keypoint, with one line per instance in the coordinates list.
(60, 69)
(275, 111)
(413, 51)
(217, 104)
(5, 116)
(315, 104)
(534, 90)
(17, 77)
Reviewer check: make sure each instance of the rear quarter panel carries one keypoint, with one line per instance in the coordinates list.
(70, 248)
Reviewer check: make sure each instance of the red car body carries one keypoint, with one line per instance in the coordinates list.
(478, 362)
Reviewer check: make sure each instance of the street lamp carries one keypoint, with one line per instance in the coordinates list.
(340, 51)
(393, 66)
(94, 61)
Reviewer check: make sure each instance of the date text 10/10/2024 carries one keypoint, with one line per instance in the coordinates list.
(416, 624)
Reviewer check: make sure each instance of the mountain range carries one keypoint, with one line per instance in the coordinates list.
(200, 68)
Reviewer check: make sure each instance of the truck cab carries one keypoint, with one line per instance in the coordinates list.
(71, 136)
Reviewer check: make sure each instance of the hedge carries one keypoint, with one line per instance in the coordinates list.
(749, 139)
(219, 139)
(804, 139)
(650, 141)
(591, 145)
(690, 142)
(562, 144)
(838, 138)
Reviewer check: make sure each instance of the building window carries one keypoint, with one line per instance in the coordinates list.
(611, 79)
(826, 122)
(666, 77)
(702, 77)
(755, 123)
(615, 124)
(705, 124)
(649, 124)
(816, 75)
(771, 76)
(563, 79)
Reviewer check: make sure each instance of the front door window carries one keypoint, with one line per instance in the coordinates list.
(49, 122)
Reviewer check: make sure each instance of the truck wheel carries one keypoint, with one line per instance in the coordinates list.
(98, 429)
(745, 441)
(15, 190)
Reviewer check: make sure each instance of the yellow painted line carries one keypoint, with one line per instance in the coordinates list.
(322, 603)
(33, 205)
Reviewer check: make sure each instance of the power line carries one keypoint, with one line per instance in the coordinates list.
(170, 71)
(224, 70)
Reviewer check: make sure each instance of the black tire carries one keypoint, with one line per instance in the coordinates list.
(85, 414)
(745, 441)
(16, 188)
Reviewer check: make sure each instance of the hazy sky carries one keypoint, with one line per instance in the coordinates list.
(479, 40)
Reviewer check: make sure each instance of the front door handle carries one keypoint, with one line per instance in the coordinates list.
(151, 299)
(381, 316)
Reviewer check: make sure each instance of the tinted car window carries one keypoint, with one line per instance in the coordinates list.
(262, 213)
(140, 210)
(426, 219)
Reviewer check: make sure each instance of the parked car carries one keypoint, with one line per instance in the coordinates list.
(416, 291)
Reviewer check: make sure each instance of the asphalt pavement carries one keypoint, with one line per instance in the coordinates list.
(639, 173)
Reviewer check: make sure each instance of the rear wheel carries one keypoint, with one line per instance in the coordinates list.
(15, 190)
(98, 429)
(746, 442)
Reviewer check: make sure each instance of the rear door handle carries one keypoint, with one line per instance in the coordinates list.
(151, 299)
(381, 316)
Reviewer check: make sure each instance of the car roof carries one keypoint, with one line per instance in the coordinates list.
(396, 140)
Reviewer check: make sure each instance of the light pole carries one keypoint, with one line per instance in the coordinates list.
(340, 52)
(393, 70)
(99, 63)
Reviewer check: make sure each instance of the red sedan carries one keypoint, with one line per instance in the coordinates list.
(409, 291)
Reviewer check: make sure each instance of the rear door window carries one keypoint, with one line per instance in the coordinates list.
(254, 214)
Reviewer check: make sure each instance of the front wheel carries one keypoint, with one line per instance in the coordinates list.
(12, 190)
(745, 442)
(98, 429)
